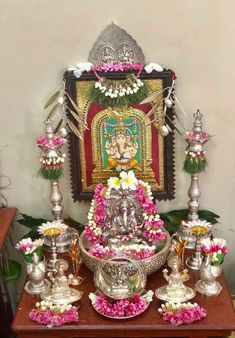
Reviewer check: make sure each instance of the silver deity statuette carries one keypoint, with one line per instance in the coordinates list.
(175, 290)
(36, 272)
(60, 292)
(207, 285)
(120, 277)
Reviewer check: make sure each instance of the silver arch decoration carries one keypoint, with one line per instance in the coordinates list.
(115, 45)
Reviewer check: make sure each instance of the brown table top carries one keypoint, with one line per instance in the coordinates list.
(220, 320)
(7, 216)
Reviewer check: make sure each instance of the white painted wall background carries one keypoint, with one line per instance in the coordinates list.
(40, 38)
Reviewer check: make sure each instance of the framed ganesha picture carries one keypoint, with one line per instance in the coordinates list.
(118, 135)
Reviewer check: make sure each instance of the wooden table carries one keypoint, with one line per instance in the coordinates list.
(7, 216)
(220, 320)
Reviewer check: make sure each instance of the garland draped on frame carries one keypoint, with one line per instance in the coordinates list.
(119, 93)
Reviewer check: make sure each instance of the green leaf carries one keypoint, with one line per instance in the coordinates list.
(220, 259)
(33, 234)
(173, 218)
(74, 224)
(14, 271)
(30, 222)
(206, 213)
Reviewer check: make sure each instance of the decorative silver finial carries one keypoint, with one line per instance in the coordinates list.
(197, 124)
(115, 45)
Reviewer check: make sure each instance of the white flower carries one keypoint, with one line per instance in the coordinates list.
(52, 228)
(85, 66)
(92, 297)
(153, 66)
(199, 223)
(128, 180)
(80, 68)
(114, 182)
(28, 246)
(148, 296)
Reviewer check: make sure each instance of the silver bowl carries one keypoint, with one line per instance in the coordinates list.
(150, 264)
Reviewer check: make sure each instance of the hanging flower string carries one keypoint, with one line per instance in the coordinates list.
(47, 313)
(153, 225)
(51, 167)
(96, 216)
(181, 313)
(195, 159)
(118, 93)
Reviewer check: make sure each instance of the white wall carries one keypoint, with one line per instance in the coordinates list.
(40, 38)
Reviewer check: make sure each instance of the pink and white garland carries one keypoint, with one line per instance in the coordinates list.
(54, 315)
(45, 143)
(138, 251)
(152, 224)
(178, 313)
(96, 216)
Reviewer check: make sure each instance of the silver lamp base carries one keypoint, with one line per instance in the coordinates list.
(194, 262)
(73, 296)
(208, 289)
(161, 293)
(35, 289)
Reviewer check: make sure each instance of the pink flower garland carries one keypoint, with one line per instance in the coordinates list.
(153, 228)
(194, 136)
(147, 204)
(98, 215)
(214, 249)
(117, 67)
(43, 142)
(185, 315)
(120, 308)
(50, 318)
(101, 252)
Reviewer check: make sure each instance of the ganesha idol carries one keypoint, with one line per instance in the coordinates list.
(122, 150)
(123, 220)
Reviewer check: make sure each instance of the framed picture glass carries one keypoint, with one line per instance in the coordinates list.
(122, 137)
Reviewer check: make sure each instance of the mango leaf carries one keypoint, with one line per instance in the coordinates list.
(52, 99)
(173, 218)
(33, 234)
(208, 216)
(74, 129)
(31, 222)
(52, 111)
(74, 224)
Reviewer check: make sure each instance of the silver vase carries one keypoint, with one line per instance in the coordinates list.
(207, 285)
(36, 271)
